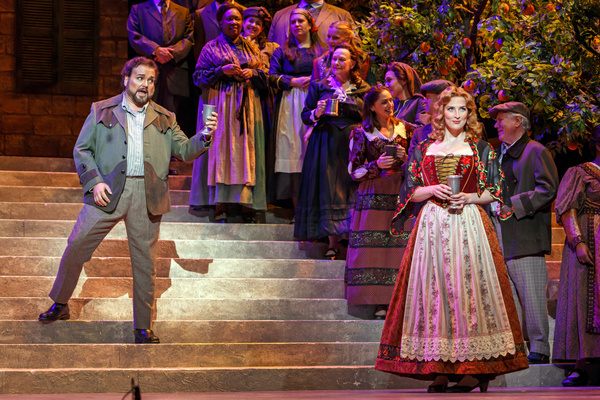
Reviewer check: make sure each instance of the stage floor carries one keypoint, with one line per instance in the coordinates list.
(557, 393)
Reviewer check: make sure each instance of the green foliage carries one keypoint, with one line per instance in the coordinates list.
(549, 59)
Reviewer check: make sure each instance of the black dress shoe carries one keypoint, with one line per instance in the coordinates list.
(54, 313)
(145, 336)
(538, 358)
(436, 388)
(580, 380)
(482, 385)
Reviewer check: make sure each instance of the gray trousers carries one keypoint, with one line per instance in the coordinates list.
(528, 280)
(90, 229)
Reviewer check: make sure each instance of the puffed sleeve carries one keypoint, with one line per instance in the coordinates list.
(359, 168)
(571, 192)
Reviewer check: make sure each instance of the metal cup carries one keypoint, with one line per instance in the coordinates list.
(454, 182)
(207, 109)
(390, 150)
(331, 107)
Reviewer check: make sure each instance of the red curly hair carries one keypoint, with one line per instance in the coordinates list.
(473, 128)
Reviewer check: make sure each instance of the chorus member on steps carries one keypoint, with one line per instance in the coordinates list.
(526, 236)
(577, 331)
(231, 70)
(341, 32)
(374, 255)
(452, 315)
(409, 104)
(290, 71)
(324, 201)
(122, 157)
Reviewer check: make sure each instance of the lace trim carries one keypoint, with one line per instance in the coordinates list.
(392, 353)
(462, 349)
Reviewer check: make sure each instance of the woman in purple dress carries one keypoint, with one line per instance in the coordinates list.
(577, 331)
(374, 255)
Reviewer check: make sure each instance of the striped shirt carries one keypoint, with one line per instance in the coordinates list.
(135, 139)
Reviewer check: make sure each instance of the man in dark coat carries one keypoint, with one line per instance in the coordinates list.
(122, 158)
(163, 31)
(532, 182)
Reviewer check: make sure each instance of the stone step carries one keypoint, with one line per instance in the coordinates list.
(69, 180)
(54, 247)
(89, 309)
(24, 332)
(182, 268)
(16, 194)
(50, 164)
(30, 228)
(196, 355)
(238, 379)
(182, 288)
(556, 253)
(69, 211)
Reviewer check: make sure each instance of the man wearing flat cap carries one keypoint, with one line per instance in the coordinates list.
(525, 236)
(431, 90)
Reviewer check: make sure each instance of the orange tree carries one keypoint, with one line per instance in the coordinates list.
(542, 53)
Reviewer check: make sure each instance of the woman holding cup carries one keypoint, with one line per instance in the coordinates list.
(377, 154)
(452, 315)
(323, 207)
(290, 71)
(233, 171)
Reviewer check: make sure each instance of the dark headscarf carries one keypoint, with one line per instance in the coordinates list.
(413, 81)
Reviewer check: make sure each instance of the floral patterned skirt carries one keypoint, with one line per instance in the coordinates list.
(452, 311)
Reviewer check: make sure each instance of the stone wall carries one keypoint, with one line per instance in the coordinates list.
(48, 125)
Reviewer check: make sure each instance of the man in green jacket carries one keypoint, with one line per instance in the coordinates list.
(122, 157)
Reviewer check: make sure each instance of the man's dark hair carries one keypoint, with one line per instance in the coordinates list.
(130, 65)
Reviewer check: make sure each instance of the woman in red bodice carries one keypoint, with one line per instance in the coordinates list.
(452, 315)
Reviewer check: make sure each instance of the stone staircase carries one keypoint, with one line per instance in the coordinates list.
(239, 307)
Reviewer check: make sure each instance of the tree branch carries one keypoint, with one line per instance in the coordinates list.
(473, 35)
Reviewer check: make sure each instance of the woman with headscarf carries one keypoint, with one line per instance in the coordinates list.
(452, 315)
(409, 104)
(230, 68)
(324, 201)
(255, 28)
(290, 71)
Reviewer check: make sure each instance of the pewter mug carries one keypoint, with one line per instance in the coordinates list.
(454, 182)
(331, 107)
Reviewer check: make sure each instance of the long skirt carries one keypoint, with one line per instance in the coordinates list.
(452, 311)
(572, 340)
(374, 255)
(233, 169)
(326, 189)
